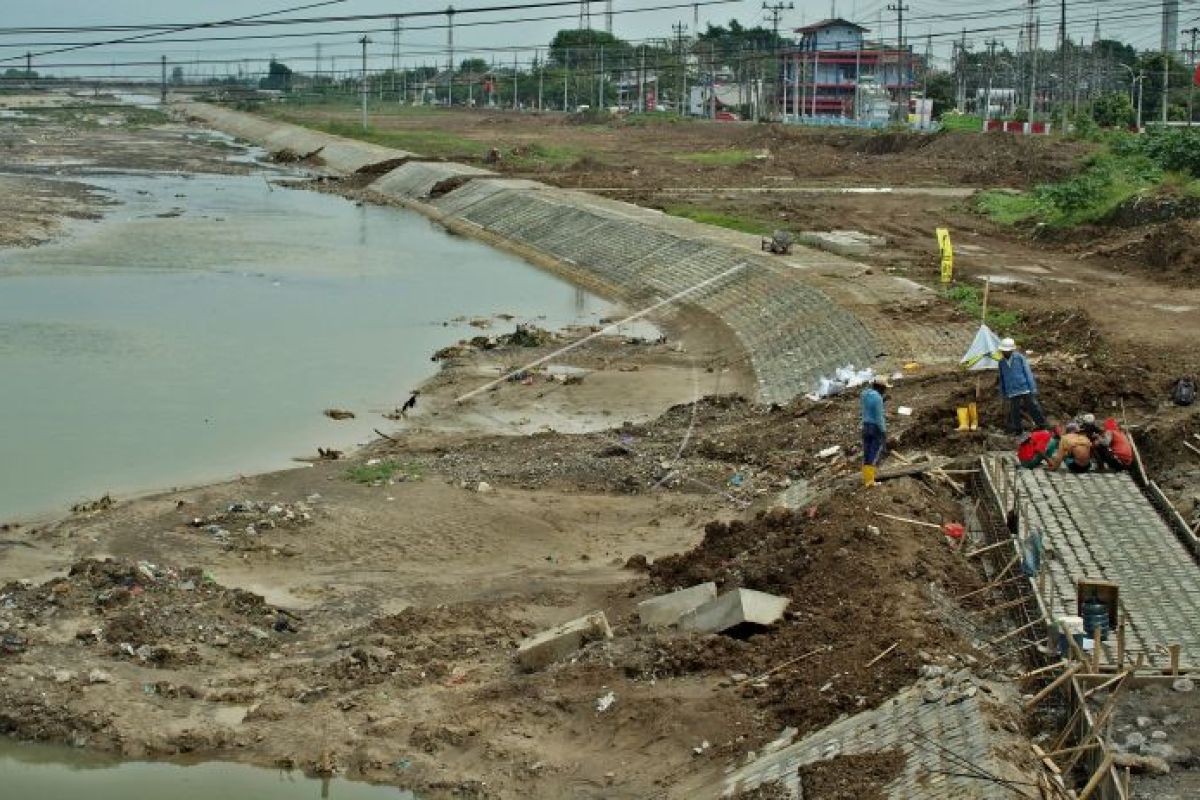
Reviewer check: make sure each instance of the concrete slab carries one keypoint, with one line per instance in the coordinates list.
(739, 607)
(843, 243)
(538, 652)
(666, 609)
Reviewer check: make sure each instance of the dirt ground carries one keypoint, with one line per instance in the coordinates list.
(360, 616)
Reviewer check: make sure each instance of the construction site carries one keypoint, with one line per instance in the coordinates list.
(370, 448)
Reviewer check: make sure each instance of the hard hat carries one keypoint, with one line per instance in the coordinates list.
(1007, 345)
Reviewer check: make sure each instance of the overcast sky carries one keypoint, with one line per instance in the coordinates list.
(1131, 21)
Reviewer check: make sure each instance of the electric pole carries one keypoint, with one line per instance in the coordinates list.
(1033, 67)
(1192, 61)
(364, 41)
(987, 102)
(679, 29)
(163, 99)
(774, 11)
(450, 50)
(1062, 58)
(901, 55)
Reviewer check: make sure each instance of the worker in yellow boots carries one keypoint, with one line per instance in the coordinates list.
(874, 427)
(968, 417)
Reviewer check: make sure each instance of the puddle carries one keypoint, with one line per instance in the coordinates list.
(197, 332)
(60, 773)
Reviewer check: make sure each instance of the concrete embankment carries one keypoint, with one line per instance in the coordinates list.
(788, 329)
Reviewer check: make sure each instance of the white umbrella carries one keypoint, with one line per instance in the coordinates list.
(984, 351)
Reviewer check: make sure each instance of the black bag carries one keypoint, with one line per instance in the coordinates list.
(1184, 392)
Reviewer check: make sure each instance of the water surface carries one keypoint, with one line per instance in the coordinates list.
(48, 772)
(198, 331)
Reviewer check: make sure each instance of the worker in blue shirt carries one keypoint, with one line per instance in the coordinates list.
(1018, 387)
(874, 428)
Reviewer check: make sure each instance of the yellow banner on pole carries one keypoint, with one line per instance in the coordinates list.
(943, 239)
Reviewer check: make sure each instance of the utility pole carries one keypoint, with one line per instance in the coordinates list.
(1170, 22)
(987, 98)
(537, 56)
(163, 98)
(515, 98)
(450, 50)
(1192, 61)
(1062, 58)
(679, 28)
(901, 55)
(774, 11)
(1037, 35)
(641, 80)
(28, 66)
(364, 41)
(566, 74)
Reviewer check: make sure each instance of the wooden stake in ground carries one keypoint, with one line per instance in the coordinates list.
(876, 659)
(1050, 688)
(1097, 777)
(909, 521)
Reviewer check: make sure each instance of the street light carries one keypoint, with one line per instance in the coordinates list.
(1135, 78)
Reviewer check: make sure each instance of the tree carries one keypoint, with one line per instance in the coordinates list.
(20, 74)
(580, 49)
(473, 66)
(279, 77)
(1179, 79)
(942, 89)
(1113, 110)
(177, 76)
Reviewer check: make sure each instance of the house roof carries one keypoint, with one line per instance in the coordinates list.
(829, 23)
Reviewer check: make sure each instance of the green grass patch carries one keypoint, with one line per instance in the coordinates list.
(961, 122)
(543, 155)
(721, 220)
(969, 299)
(1106, 182)
(718, 158)
(384, 471)
(427, 143)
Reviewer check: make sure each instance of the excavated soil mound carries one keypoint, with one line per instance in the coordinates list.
(854, 593)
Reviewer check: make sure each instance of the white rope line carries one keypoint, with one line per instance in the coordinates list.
(602, 332)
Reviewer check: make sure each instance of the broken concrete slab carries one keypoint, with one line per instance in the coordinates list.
(666, 609)
(538, 652)
(843, 243)
(739, 607)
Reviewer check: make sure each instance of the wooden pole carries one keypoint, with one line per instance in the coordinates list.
(1121, 645)
(1096, 650)
(1174, 651)
(1097, 777)
(1050, 688)
(876, 659)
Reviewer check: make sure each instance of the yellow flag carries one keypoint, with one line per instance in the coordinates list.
(943, 238)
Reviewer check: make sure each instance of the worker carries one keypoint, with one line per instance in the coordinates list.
(874, 427)
(1018, 387)
(1074, 448)
(1112, 447)
(1034, 448)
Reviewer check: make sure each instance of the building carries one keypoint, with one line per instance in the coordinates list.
(823, 73)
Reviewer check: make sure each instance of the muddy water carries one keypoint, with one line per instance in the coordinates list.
(200, 328)
(59, 773)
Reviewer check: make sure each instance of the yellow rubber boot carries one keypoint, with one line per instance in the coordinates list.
(964, 419)
(868, 473)
(973, 413)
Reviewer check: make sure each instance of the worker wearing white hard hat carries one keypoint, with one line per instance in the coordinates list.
(1018, 387)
